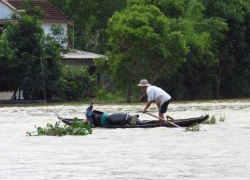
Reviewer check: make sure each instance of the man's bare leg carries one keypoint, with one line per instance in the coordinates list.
(161, 115)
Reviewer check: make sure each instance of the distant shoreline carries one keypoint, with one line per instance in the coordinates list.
(21, 101)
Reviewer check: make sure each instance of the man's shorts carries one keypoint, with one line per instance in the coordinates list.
(164, 106)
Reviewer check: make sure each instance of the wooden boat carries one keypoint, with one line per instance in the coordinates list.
(149, 123)
(124, 120)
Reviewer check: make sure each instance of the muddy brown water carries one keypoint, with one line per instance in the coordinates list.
(219, 151)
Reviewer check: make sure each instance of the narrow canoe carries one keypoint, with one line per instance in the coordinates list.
(151, 123)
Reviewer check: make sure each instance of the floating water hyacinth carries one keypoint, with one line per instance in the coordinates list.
(195, 127)
(77, 128)
(222, 119)
(212, 120)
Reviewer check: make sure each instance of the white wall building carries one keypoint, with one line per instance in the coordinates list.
(52, 14)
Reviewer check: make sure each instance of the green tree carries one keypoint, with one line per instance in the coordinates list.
(196, 78)
(141, 45)
(76, 83)
(58, 35)
(233, 52)
(28, 59)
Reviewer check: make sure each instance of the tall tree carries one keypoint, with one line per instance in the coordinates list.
(203, 36)
(141, 45)
(28, 59)
(233, 70)
(195, 78)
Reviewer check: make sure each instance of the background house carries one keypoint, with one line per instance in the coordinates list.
(52, 16)
(83, 58)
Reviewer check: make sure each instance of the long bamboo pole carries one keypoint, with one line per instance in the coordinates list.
(162, 119)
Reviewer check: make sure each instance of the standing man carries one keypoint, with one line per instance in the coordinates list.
(155, 93)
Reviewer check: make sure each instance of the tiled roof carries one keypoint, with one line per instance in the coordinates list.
(52, 14)
(77, 54)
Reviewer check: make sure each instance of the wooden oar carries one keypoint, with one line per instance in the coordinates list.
(162, 119)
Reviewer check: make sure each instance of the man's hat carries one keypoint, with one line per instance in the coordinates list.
(144, 82)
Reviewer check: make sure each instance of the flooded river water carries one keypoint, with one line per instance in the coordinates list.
(220, 151)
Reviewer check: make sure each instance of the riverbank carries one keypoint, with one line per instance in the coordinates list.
(22, 101)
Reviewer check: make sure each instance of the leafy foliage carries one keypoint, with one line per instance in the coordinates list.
(211, 120)
(77, 129)
(103, 95)
(58, 35)
(140, 35)
(233, 51)
(195, 127)
(214, 35)
(76, 83)
(222, 119)
(196, 77)
(29, 60)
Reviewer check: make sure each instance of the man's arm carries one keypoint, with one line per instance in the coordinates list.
(146, 107)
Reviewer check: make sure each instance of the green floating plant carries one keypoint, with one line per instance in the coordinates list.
(222, 119)
(211, 120)
(195, 127)
(77, 128)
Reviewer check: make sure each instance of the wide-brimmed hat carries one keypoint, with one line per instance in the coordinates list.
(144, 82)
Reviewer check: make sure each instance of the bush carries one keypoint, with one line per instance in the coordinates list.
(76, 84)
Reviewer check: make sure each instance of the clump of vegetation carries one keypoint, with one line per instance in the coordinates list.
(222, 119)
(77, 128)
(195, 127)
(104, 95)
(76, 84)
(211, 120)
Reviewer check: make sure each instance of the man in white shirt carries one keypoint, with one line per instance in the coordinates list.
(155, 93)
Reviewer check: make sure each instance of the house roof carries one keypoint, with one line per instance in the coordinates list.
(77, 54)
(7, 4)
(52, 14)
